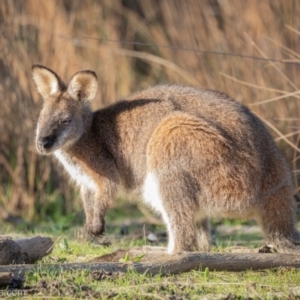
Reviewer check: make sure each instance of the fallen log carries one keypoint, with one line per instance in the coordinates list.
(160, 263)
(27, 250)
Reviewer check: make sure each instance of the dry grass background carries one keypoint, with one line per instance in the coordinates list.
(53, 33)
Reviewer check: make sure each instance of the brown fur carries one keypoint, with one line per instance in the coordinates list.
(193, 154)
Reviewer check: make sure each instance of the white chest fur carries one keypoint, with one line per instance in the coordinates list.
(75, 170)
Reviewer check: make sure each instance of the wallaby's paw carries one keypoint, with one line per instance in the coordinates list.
(97, 230)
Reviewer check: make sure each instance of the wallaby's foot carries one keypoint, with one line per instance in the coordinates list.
(288, 244)
(278, 220)
(284, 239)
(290, 249)
(96, 230)
(183, 235)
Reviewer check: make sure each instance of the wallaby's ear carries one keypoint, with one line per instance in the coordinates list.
(83, 86)
(47, 81)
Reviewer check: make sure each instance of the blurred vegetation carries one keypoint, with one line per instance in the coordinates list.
(54, 33)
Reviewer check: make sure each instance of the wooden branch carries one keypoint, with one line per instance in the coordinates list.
(165, 264)
(27, 250)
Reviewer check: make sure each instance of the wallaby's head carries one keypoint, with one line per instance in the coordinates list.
(66, 110)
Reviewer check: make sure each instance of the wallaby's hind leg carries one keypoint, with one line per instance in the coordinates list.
(177, 153)
(278, 219)
(204, 237)
(182, 233)
(179, 214)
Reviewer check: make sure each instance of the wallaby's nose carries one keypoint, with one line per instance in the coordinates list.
(46, 142)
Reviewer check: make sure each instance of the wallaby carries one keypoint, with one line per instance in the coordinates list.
(190, 153)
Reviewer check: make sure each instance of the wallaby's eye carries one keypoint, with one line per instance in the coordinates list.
(65, 121)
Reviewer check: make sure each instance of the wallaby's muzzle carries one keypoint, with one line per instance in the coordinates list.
(44, 144)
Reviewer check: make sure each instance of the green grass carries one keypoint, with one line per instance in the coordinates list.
(282, 283)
